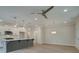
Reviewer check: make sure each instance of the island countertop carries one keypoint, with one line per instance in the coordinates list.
(14, 39)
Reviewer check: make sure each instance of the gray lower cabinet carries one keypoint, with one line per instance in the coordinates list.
(30, 43)
(12, 45)
(22, 44)
(19, 44)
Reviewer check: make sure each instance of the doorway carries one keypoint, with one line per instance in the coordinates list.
(37, 36)
(21, 35)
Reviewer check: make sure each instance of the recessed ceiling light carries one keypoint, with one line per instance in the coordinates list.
(65, 10)
(53, 32)
(65, 21)
(36, 19)
(15, 25)
(0, 20)
(23, 27)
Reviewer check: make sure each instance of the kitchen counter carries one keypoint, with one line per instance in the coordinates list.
(14, 44)
(13, 39)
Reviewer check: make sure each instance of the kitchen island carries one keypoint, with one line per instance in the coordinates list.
(8, 45)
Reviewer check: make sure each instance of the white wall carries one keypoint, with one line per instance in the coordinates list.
(77, 33)
(65, 35)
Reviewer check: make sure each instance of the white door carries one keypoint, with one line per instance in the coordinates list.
(37, 36)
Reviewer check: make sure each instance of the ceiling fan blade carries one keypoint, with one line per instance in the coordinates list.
(44, 12)
(45, 16)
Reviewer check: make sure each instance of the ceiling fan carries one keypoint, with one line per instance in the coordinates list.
(44, 12)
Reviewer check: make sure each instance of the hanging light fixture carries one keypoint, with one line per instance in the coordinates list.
(15, 25)
(15, 21)
(23, 24)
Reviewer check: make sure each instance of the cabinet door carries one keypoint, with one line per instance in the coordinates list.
(30, 43)
(11, 46)
(23, 44)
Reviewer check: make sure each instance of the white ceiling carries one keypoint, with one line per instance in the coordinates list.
(57, 14)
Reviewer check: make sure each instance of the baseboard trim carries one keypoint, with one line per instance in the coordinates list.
(59, 44)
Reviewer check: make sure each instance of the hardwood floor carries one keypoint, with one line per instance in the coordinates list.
(47, 48)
